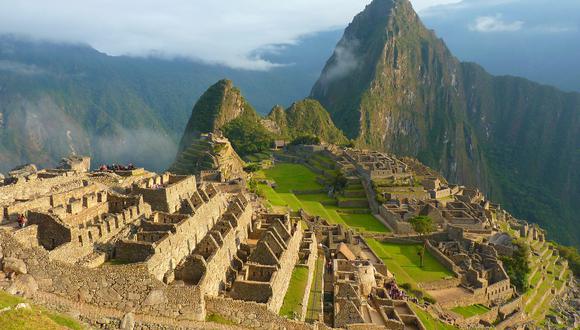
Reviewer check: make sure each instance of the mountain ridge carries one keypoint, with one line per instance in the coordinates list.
(401, 90)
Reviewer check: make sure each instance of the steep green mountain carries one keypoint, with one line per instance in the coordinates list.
(393, 85)
(218, 106)
(223, 108)
(304, 117)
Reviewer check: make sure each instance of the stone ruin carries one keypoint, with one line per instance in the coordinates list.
(182, 241)
(481, 271)
(269, 263)
(175, 248)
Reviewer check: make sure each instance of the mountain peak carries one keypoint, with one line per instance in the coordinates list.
(392, 85)
(220, 104)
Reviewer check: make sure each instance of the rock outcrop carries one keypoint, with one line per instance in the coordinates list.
(208, 154)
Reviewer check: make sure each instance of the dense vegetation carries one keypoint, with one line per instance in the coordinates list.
(248, 136)
(517, 266)
(305, 139)
(571, 254)
(306, 118)
(514, 139)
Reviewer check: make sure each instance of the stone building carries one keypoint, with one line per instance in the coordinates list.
(79, 220)
(264, 277)
(481, 272)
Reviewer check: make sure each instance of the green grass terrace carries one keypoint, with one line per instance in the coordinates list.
(469, 311)
(292, 305)
(404, 262)
(296, 187)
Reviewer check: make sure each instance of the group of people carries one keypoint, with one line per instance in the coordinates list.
(117, 167)
(394, 291)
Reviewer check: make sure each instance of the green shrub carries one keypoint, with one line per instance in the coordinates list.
(406, 286)
(418, 293)
(252, 167)
(517, 266)
(430, 299)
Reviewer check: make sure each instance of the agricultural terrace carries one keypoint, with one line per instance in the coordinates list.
(404, 262)
(295, 186)
(546, 274)
(469, 311)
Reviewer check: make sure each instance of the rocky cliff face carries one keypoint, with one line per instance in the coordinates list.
(393, 85)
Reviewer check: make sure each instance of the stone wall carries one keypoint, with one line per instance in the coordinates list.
(122, 287)
(251, 314)
(52, 231)
(510, 307)
(361, 203)
(170, 251)
(167, 198)
(499, 291)
(398, 226)
(511, 321)
(219, 263)
(311, 264)
(282, 277)
(441, 284)
(474, 321)
(27, 236)
(443, 259)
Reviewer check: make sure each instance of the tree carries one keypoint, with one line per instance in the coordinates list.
(517, 266)
(306, 139)
(339, 182)
(422, 225)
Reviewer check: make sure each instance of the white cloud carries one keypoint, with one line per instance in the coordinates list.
(495, 24)
(226, 32)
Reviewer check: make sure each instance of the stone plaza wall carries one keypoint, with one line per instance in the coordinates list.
(361, 203)
(443, 259)
(398, 226)
(474, 321)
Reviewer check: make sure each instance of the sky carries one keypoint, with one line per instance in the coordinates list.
(223, 32)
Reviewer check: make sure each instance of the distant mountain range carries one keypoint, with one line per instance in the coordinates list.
(392, 85)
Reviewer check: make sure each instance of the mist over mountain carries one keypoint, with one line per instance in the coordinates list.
(535, 39)
(60, 98)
